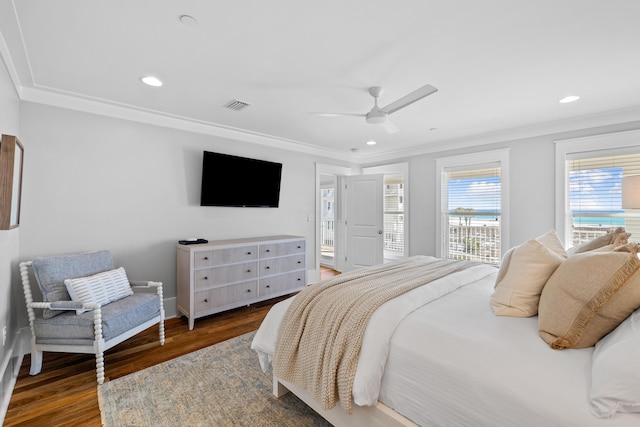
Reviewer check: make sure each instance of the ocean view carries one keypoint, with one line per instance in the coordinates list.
(580, 219)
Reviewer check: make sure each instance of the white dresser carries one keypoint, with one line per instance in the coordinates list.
(225, 274)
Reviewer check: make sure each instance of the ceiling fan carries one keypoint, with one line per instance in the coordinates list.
(379, 115)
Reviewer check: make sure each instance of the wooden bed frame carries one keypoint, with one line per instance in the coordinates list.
(373, 416)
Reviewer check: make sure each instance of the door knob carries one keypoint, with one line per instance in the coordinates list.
(379, 231)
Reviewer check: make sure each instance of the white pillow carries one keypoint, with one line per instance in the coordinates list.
(615, 370)
(101, 288)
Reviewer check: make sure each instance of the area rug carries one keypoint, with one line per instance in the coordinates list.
(221, 385)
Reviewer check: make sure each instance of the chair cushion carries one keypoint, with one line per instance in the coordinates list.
(51, 272)
(117, 318)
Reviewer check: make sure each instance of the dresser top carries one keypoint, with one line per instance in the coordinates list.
(238, 242)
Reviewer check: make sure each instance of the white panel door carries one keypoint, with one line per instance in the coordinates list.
(365, 238)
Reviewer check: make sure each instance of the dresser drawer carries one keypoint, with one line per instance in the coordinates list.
(215, 257)
(271, 266)
(282, 283)
(270, 250)
(214, 276)
(219, 297)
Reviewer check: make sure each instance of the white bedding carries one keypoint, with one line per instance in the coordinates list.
(453, 362)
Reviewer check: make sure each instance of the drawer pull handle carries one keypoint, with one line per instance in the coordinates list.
(299, 247)
(268, 286)
(206, 258)
(299, 279)
(206, 300)
(249, 271)
(249, 253)
(267, 267)
(299, 262)
(205, 278)
(268, 250)
(249, 290)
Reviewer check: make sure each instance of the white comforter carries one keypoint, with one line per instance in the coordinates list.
(383, 323)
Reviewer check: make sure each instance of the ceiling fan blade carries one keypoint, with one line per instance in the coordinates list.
(338, 114)
(414, 96)
(389, 127)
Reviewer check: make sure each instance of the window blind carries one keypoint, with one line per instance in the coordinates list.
(594, 186)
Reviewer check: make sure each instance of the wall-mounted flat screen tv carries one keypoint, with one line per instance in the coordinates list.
(239, 181)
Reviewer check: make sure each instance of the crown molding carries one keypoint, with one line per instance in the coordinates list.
(103, 107)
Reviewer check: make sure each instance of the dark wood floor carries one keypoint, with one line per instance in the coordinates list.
(65, 392)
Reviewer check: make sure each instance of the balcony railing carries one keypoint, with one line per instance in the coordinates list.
(585, 233)
(474, 242)
(327, 238)
(394, 232)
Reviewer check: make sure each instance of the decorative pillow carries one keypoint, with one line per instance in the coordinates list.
(101, 288)
(617, 238)
(523, 273)
(615, 370)
(551, 240)
(588, 296)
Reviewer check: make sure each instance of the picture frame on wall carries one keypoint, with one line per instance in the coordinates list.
(11, 162)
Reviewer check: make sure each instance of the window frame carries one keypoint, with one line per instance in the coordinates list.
(585, 147)
(471, 161)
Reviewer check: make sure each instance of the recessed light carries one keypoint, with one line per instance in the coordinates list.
(151, 81)
(371, 143)
(188, 20)
(568, 99)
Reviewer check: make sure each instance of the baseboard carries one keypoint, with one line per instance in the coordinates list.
(9, 369)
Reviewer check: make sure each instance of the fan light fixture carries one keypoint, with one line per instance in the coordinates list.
(379, 116)
(371, 142)
(151, 81)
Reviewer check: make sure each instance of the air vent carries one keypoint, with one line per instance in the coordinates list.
(236, 105)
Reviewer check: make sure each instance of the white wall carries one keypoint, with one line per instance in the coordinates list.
(94, 182)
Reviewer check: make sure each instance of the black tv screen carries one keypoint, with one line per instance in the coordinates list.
(239, 181)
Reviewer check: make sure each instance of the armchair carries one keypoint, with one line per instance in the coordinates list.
(106, 309)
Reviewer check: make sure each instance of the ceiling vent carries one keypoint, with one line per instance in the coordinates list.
(236, 105)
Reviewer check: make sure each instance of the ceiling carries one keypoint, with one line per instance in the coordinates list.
(499, 65)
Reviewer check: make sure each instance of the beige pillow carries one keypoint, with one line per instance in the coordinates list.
(617, 237)
(588, 296)
(551, 240)
(523, 273)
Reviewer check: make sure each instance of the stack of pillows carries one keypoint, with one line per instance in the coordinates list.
(581, 296)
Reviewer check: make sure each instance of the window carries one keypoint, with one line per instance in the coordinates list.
(472, 220)
(591, 171)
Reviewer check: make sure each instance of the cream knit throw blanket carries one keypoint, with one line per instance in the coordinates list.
(321, 334)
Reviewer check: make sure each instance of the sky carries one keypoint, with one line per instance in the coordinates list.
(589, 190)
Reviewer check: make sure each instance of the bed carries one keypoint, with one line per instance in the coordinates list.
(439, 355)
